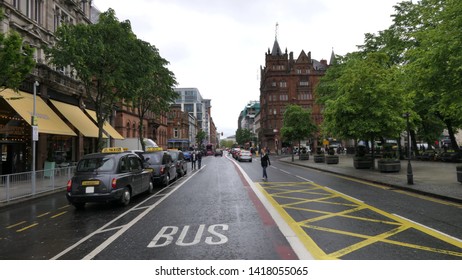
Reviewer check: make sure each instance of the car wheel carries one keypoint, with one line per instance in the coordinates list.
(126, 197)
(167, 181)
(151, 187)
(79, 205)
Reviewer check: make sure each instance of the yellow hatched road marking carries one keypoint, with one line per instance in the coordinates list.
(424, 197)
(400, 223)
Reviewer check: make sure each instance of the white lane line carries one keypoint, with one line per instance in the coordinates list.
(304, 179)
(282, 170)
(123, 229)
(429, 228)
(289, 234)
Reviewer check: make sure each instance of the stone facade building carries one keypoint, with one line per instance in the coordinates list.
(66, 126)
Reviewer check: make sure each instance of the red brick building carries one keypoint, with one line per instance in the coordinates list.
(287, 80)
(154, 126)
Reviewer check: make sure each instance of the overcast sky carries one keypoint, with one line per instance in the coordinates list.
(218, 46)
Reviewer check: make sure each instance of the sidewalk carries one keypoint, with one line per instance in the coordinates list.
(437, 179)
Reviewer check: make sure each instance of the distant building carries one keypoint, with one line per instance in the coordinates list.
(286, 80)
(191, 101)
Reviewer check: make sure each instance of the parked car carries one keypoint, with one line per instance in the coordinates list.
(245, 155)
(180, 162)
(112, 175)
(235, 152)
(187, 155)
(219, 152)
(162, 166)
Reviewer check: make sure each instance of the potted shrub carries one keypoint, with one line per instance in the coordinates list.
(319, 156)
(362, 160)
(331, 157)
(304, 155)
(389, 162)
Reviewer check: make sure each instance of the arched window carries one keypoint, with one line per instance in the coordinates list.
(127, 134)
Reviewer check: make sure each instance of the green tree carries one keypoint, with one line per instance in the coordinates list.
(98, 53)
(200, 136)
(363, 98)
(243, 136)
(150, 84)
(17, 59)
(424, 39)
(297, 125)
(226, 143)
(435, 61)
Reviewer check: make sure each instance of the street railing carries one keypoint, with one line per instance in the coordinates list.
(27, 184)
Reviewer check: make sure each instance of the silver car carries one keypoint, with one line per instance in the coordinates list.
(245, 155)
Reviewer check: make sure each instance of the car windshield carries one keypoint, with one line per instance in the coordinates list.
(100, 164)
(174, 155)
(154, 158)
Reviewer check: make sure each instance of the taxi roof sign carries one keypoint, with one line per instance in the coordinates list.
(113, 150)
(153, 149)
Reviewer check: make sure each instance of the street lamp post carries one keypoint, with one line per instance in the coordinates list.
(34, 136)
(410, 176)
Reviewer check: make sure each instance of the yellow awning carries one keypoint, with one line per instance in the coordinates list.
(77, 118)
(107, 127)
(47, 120)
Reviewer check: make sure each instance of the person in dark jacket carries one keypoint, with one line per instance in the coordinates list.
(265, 161)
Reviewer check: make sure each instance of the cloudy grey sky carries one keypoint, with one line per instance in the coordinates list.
(218, 46)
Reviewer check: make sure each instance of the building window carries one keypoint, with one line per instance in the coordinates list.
(305, 96)
(127, 134)
(282, 84)
(16, 4)
(83, 5)
(175, 133)
(283, 97)
(190, 95)
(278, 67)
(304, 83)
(61, 18)
(134, 130)
(189, 108)
(273, 84)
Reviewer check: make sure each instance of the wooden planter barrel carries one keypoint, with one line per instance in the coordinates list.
(389, 165)
(362, 162)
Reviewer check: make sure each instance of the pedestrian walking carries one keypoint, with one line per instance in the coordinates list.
(265, 162)
(199, 159)
(193, 160)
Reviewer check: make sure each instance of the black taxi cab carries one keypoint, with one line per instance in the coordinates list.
(114, 175)
(161, 164)
(180, 162)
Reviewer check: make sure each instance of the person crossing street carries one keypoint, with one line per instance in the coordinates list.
(265, 162)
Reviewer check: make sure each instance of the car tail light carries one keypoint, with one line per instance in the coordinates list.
(114, 183)
(162, 169)
(69, 185)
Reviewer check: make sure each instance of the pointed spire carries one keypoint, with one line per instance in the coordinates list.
(332, 57)
(276, 49)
